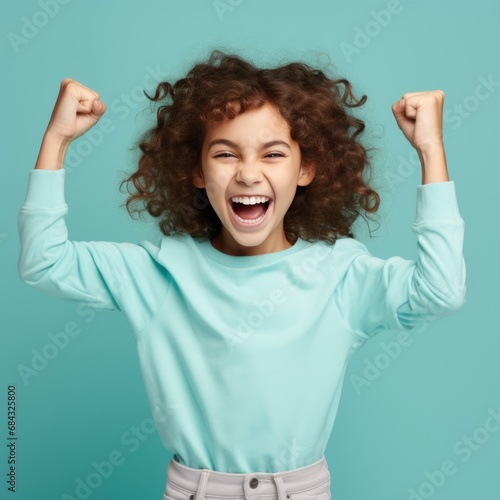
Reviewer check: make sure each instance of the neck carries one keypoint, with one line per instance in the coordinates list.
(226, 244)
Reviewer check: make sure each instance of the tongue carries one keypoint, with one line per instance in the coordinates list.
(249, 211)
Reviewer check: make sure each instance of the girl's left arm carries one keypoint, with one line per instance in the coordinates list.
(401, 294)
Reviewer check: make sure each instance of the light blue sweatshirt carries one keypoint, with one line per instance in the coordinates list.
(243, 358)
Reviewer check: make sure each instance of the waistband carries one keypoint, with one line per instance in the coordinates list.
(208, 482)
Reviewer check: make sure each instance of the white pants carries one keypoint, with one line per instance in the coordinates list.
(310, 482)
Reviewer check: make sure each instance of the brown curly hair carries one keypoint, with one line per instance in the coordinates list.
(314, 106)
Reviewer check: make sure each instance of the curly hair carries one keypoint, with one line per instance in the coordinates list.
(314, 106)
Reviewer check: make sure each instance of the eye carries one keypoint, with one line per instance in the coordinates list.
(276, 155)
(223, 155)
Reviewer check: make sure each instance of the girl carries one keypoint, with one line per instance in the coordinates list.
(248, 308)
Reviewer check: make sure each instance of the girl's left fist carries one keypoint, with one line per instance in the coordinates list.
(420, 117)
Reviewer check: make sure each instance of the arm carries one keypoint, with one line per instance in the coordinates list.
(93, 272)
(47, 260)
(103, 274)
(402, 294)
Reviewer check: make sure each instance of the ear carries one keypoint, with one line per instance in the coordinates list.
(198, 180)
(306, 174)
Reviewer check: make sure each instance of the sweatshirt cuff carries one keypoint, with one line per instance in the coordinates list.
(45, 188)
(437, 202)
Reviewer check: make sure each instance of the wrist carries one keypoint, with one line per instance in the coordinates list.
(430, 150)
(430, 156)
(55, 140)
(52, 152)
(434, 167)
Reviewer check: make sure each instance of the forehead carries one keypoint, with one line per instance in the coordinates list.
(253, 126)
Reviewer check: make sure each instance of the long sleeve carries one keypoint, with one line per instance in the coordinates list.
(400, 294)
(102, 274)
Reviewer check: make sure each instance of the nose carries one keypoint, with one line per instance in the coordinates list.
(248, 173)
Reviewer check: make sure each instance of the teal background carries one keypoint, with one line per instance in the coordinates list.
(404, 422)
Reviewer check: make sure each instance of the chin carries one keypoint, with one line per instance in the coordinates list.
(250, 240)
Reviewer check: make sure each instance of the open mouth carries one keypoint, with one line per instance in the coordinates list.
(249, 209)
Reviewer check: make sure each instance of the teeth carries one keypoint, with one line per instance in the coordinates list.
(250, 221)
(250, 200)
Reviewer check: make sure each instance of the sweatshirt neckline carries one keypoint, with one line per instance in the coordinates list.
(247, 260)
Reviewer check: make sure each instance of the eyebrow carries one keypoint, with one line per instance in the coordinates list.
(232, 144)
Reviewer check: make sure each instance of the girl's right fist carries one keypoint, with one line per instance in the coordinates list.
(77, 109)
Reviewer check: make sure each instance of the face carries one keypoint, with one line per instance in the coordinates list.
(251, 167)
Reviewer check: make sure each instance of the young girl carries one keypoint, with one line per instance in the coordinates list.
(249, 307)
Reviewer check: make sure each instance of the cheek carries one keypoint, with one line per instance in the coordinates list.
(286, 191)
(216, 186)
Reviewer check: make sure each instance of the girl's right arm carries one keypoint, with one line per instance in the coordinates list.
(103, 274)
